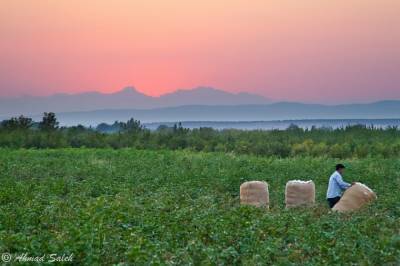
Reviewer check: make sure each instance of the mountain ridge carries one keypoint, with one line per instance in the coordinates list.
(127, 98)
(198, 104)
(266, 112)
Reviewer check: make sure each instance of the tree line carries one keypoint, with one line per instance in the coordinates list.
(347, 142)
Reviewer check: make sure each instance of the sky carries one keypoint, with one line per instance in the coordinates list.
(297, 50)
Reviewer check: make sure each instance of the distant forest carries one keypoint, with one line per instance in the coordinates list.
(355, 141)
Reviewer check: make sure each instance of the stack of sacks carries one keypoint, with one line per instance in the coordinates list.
(299, 193)
(354, 198)
(254, 193)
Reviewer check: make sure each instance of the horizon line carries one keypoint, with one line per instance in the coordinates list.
(134, 89)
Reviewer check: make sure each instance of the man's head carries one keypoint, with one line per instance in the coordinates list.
(340, 168)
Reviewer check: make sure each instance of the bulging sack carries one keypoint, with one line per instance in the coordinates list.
(254, 193)
(354, 198)
(299, 193)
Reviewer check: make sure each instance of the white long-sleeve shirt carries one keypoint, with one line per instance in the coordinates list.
(336, 185)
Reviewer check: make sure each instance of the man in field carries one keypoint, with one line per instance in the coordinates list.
(336, 186)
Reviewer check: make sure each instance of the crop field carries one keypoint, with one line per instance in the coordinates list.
(128, 206)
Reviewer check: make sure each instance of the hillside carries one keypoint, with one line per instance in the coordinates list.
(267, 112)
(128, 98)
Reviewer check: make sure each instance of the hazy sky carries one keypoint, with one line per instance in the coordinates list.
(302, 50)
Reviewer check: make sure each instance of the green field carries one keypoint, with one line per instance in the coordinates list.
(127, 206)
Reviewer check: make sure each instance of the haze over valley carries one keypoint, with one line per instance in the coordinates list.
(199, 104)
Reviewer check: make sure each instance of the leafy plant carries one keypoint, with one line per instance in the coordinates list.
(139, 207)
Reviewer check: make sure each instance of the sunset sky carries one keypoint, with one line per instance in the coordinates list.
(299, 50)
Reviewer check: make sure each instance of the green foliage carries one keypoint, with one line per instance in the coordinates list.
(178, 207)
(49, 122)
(348, 142)
(17, 123)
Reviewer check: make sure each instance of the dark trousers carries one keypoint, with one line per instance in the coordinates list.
(333, 201)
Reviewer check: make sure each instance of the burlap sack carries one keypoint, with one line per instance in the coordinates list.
(354, 198)
(254, 193)
(299, 193)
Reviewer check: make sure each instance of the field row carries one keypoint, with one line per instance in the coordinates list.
(128, 206)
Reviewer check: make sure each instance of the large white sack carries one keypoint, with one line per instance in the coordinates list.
(299, 193)
(355, 197)
(254, 193)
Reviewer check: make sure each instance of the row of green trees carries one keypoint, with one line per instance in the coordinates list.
(347, 142)
(49, 123)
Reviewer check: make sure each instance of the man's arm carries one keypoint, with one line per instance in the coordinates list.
(343, 185)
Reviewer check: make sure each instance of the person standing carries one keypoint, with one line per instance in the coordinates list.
(336, 186)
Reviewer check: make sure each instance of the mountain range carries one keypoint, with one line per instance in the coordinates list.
(128, 98)
(264, 112)
(199, 104)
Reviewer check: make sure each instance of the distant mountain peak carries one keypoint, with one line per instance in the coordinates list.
(211, 91)
(200, 89)
(127, 98)
(206, 88)
(129, 89)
